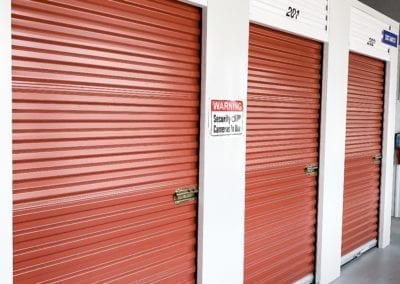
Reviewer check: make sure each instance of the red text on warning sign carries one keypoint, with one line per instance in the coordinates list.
(225, 105)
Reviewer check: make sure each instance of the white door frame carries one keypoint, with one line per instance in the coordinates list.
(389, 119)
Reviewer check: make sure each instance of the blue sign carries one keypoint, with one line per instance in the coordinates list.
(397, 143)
(389, 38)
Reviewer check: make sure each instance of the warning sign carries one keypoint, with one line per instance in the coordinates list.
(226, 117)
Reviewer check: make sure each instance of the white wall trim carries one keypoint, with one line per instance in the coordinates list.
(387, 169)
(6, 237)
(396, 190)
(318, 36)
(389, 117)
(397, 193)
(332, 145)
(368, 24)
(308, 279)
(199, 3)
(223, 159)
(262, 13)
(202, 152)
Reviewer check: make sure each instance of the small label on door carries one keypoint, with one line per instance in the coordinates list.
(226, 117)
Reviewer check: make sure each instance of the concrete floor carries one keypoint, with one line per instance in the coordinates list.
(376, 266)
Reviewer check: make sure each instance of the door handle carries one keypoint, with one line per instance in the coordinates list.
(311, 170)
(186, 194)
(378, 159)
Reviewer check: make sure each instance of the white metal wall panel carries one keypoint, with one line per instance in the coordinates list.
(308, 18)
(366, 35)
(200, 3)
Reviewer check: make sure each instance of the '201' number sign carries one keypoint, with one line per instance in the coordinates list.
(292, 13)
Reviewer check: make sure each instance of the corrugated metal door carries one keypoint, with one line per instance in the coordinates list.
(282, 140)
(106, 115)
(363, 144)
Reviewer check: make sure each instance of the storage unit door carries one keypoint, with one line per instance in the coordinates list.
(363, 149)
(282, 140)
(106, 115)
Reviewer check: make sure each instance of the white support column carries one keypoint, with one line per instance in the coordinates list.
(222, 159)
(332, 150)
(396, 195)
(389, 119)
(6, 241)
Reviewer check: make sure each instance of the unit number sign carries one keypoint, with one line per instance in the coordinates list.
(292, 12)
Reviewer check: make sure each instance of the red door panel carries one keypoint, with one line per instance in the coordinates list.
(282, 139)
(105, 128)
(363, 143)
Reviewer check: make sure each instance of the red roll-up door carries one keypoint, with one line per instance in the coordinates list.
(105, 127)
(363, 148)
(282, 140)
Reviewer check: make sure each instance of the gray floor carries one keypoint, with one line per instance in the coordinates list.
(376, 266)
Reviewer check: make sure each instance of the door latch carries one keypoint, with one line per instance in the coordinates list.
(186, 194)
(378, 159)
(311, 170)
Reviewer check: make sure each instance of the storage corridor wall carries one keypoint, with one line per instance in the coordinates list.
(282, 140)
(363, 150)
(105, 125)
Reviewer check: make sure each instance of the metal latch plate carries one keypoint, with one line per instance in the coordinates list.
(186, 194)
(378, 159)
(311, 170)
